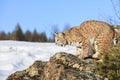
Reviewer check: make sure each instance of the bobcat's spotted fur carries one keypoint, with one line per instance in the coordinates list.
(91, 36)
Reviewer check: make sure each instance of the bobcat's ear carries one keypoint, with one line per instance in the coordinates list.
(61, 34)
(55, 33)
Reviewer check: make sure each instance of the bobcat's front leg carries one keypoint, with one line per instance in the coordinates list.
(88, 51)
(79, 51)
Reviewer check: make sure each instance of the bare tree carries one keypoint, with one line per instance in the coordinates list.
(116, 8)
(113, 20)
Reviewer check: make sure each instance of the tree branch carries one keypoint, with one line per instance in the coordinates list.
(116, 13)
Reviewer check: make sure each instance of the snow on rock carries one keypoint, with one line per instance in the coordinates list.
(16, 55)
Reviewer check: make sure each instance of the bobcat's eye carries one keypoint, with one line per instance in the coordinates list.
(57, 39)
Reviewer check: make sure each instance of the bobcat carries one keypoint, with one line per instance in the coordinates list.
(90, 38)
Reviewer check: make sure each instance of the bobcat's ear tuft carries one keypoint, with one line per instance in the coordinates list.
(55, 33)
(63, 33)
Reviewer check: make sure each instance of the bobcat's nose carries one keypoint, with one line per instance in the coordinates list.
(62, 45)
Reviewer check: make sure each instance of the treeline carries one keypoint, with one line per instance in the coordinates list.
(18, 35)
(34, 36)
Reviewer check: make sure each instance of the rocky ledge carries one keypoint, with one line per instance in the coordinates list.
(61, 66)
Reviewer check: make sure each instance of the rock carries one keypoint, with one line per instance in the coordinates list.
(61, 66)
(36, 69)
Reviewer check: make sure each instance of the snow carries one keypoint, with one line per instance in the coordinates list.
(16, 55)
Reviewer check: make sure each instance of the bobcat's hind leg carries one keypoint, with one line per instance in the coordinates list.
(102, 44)
(97, 53)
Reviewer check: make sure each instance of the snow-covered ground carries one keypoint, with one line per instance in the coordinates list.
(16, 55)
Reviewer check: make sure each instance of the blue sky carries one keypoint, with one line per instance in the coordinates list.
(43, 14)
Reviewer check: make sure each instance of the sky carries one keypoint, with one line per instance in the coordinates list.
(42, 15)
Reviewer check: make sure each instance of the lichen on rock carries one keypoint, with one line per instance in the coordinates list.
(61, 66)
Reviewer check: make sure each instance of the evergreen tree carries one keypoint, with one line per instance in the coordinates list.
(8, 36)
(35, 36)
(28, 36)
(3, 36)
(42, 37)
(110, 65)
(18, 34)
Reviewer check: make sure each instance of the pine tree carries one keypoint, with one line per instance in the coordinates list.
(28, 36)
(110, 67)
(3, 36)
(35, 36)
(18, 34)
(42, 37)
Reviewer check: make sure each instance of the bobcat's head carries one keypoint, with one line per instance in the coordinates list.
(60, 39)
